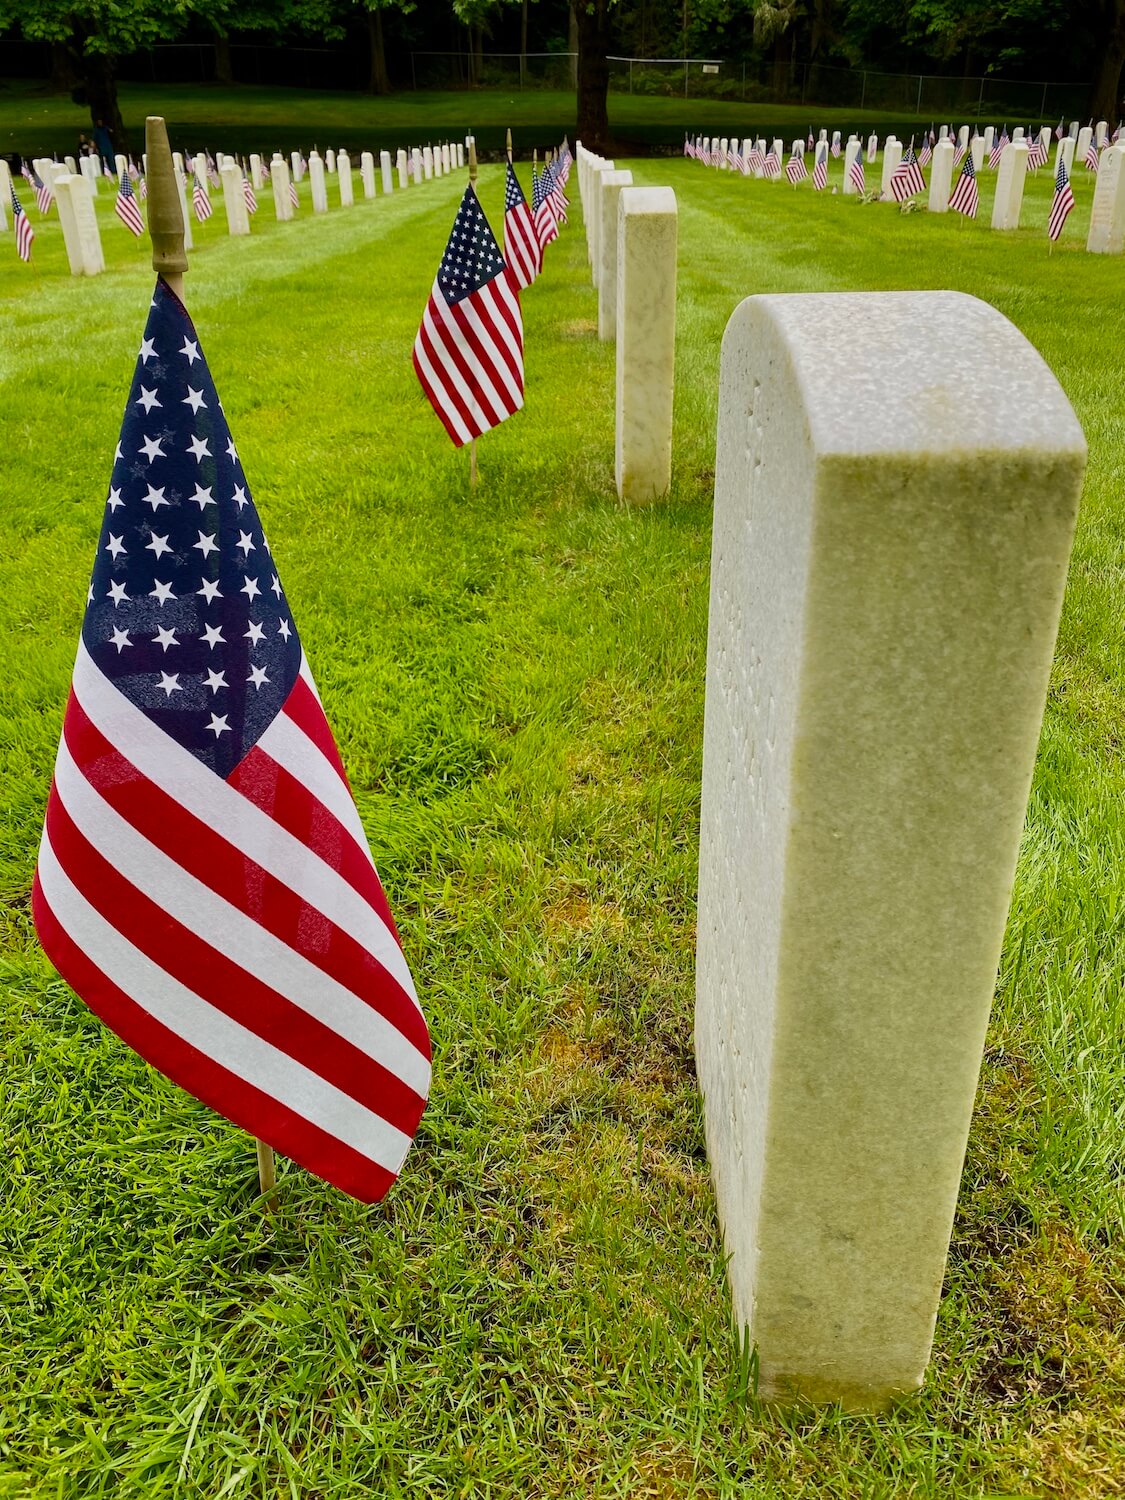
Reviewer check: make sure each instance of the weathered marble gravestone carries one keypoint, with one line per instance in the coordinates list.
(941, 176)
(1065, 153)
(367, 173)
(71, 165)
(416, 158)
(296, 168)
(79, 225)
(385, 172)
(609, 187)
(872, 147)
(427, 162)
(1018, 133)
(1107, 215)
(1045, 137)
(256, 178)
(976, 151)
(460, 155)
(5, 183)
(594, 198)
(892, 155)
(989, 137)
(234, 199)
(1085, 136)
(884, 602)
(279, 181)
(344, 172)
(1010, 179)
(403, 170)
(646, 341)
(88, 166)
(330, 162)
(317, 183)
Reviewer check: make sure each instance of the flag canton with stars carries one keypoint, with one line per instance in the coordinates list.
(185, 612)
(472, 258)
(513, 193)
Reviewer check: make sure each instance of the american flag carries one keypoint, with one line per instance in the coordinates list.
(795, 169)
(1036, 154)
(959, 155)
(468, 354)
(687, 147)
(43, 195)
(126, 208)
(872, 147)
(543, 210)
(522, 250)
(907, 179)
(565, 160)
(756, 161)
(925, 154)
(1059, 132)
(810, 144)
(204, 882)
(997, 150)
(820, 168)
(835, 144)
(250, 196)
(22, 225)
(855, 173)
(966, 195)
(293, 198)
(1091, 159)
(144, 189)
(212, 171)
(1061, 204)
(771, 166)
(200, 201)
(553, 188)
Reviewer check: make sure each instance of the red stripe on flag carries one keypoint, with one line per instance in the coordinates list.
(240, 881)
(224, 984)
(223, 1091)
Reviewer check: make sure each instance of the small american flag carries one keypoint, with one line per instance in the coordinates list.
(1059, 132)
(522, 250)
(855, 173)
(1036, 154)
(212, 171)
(756, 161)
(200, 201)
(293, 198)
(925, 154)
(249, 195)
(959, 155)
(1061, 204)
(144, 189)
(543, 210)
(820, 168)
(836, 148)
(810, 144)
(468, 354)
(204, 881)
(22, 225)
(795, 169)
(771, 166)
(559, 201)
(997, 150)
(872, 147)
(126, 208)
(966, 195)
(1091, 160)
(906, 179)
(43, 195)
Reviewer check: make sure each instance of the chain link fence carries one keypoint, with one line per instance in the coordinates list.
(755, 81)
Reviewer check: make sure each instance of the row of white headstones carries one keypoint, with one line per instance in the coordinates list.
(1106, 234)
(883, 610)
(75, 185)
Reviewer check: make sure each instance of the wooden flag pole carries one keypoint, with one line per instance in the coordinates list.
(473, 180)
(169, 261)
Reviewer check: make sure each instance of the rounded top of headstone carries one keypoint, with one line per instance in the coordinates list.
(890, 372)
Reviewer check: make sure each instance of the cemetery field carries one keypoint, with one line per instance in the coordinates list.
(251, 118)
(515, 675)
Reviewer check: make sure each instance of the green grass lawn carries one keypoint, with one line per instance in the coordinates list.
(251, 118)
(516, 677)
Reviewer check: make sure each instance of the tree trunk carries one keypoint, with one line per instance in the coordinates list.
(1105, 100)
(64, 75)
(223, 72)
(100, 78)
(379, 82)
(593, 75)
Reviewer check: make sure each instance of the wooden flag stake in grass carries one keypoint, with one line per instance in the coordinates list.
(169, 261)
